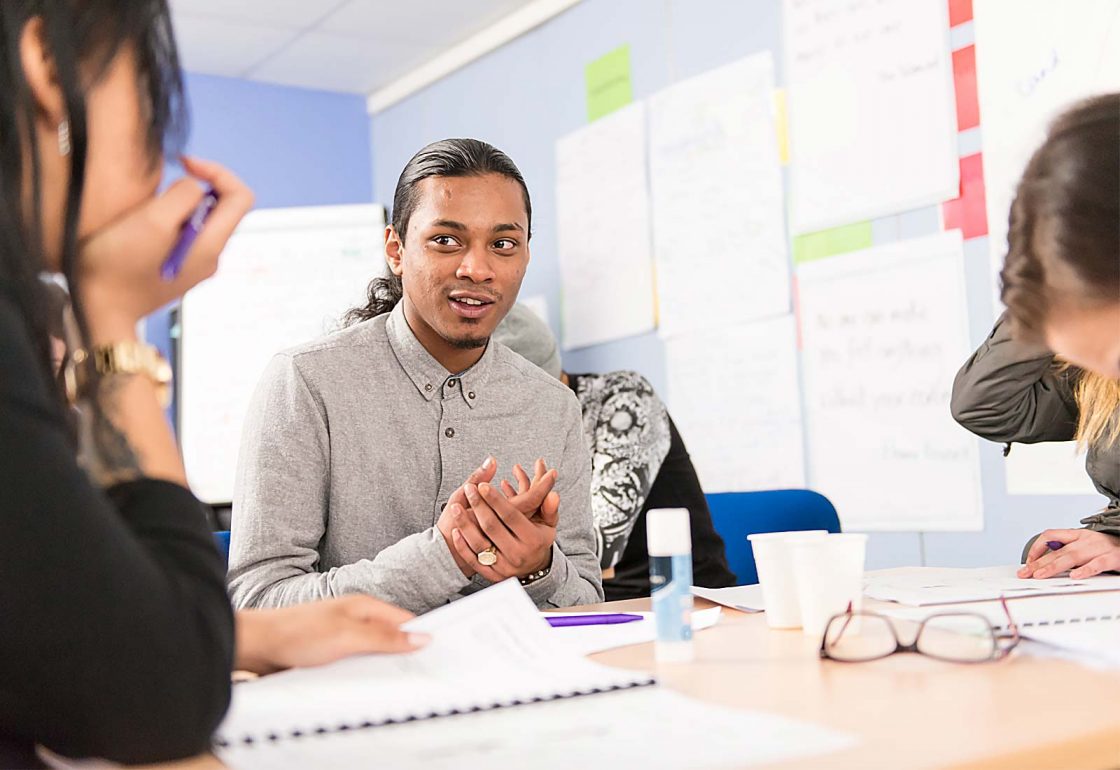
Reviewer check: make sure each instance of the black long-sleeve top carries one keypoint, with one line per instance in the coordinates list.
(676, 486)
(116, 636)
(639, 463)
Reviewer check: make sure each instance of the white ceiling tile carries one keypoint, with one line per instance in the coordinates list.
(445, 22)
(356, 46)
(216, 47)
(296, 14)
(338, 63)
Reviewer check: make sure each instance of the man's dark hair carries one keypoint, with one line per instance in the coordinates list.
(448, 158)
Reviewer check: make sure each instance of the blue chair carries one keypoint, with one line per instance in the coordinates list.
(222, 540)
(738, 514)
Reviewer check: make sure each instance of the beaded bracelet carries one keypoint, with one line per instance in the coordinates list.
(533, 577)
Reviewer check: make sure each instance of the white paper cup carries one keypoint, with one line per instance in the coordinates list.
(829, 574)
(773, 558)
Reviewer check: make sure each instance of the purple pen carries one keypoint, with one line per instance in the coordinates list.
(561, 621)
(174, 262)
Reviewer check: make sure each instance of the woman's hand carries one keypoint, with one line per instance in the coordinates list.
(320, 632)
(120, 264)
(1084, 552)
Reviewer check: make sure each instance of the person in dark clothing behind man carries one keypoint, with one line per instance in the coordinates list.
(639, 463)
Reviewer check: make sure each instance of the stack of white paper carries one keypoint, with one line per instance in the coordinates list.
(647, 729)
(921, 586)
(487, 651)
(1093, 643)
(742, 598)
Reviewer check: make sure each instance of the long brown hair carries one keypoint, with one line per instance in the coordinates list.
(1064, 242)
(1098, 405)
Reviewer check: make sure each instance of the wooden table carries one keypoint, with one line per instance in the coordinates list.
(909, 712)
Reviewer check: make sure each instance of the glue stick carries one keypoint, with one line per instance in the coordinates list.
(670, 577)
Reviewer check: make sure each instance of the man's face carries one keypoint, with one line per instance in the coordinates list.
(463, 258)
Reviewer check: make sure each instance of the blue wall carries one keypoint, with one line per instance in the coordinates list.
(292, 146)
(527, 94)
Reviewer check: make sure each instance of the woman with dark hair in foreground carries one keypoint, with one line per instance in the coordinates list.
(118, 638)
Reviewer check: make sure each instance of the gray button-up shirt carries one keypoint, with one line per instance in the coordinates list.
(354, 443)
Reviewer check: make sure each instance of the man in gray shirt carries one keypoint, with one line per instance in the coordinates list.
(359, 464)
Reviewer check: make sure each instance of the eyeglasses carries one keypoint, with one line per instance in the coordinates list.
(956, 637)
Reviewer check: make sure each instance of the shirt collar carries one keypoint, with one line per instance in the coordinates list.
(427, 374)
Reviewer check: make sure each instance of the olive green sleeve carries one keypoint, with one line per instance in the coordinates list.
(1010, 391)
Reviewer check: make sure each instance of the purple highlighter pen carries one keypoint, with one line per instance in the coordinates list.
(174, 262)
(606, 619)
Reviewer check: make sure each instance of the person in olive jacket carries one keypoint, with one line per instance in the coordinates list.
(1017, 392)
(1050, 370)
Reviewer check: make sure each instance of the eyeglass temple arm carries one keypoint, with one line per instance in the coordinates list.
(824, 638)
(1012, 626)
(847, 619)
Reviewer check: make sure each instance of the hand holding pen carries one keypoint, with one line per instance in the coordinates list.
(1083, 552)
(125, 267)
(173, 265)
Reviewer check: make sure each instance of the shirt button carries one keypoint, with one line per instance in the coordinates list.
(428, 387)
(451, 383)
(450, 433)
(471, 394)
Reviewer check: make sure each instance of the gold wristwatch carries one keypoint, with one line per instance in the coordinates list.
(129, 358)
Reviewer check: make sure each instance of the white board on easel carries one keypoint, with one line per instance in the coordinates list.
(285, 277)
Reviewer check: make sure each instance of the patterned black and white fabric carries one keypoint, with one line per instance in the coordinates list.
(627, 429)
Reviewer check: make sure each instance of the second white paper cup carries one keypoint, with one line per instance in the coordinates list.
(829, 574)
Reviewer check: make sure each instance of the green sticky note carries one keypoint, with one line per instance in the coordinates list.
(826, 243)
(608, 83)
